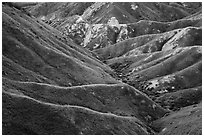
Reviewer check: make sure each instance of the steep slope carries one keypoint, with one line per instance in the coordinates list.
(102, 68)
(123, 47)
(156, 11)
(160, 11)
(119, 99)
(125, 12)
(54, 11)
(149, 43)
(181, 98)
(90, 30)
(154, 27)
(101, 12)
(161, 72)
(25, 115)
(97, 36)
(164, 60)
(38, 61)
(31, 46)
(187, 121)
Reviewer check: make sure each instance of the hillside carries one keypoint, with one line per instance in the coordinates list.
(103, 68)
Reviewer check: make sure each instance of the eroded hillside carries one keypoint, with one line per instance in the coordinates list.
(102, 68)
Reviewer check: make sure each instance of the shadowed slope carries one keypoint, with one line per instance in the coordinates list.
(187, 121)
(39, 51)
(120, 99)
(25, 115)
